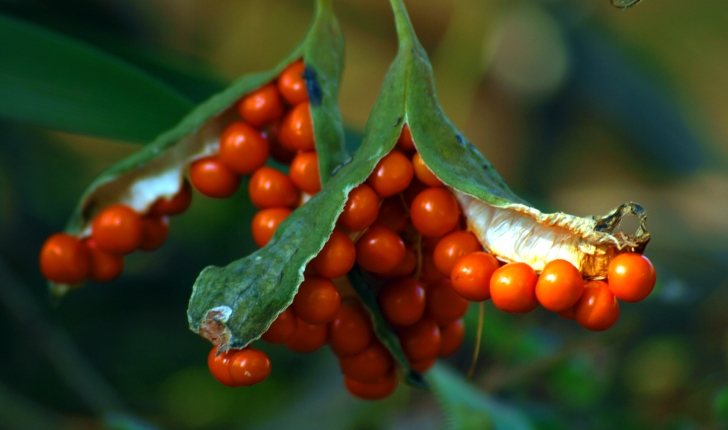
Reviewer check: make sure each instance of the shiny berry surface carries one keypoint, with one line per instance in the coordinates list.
(317, 301)
(296, 129)
(380, 250)
(451, 247)
(451, 338)
(405, 142)
(248, 367)
(105, 266)
(435, 212)
(444, 304)
(213, 179)
(361, 209)
(308, 337)
(175, 205)
(282, 328)
(471, 275)
(270, 188)
(291, 84)
(631, 277)
(218, 365)
(351, 331)
(392, 174)
(117, 229)
(266, 222)
(243, 149)
(154, 232)
(423, 173)
(369, 365)
(64, 259)
(402, 302)
(375, 390)
(420, 341)
(559, 286)
(304, 172)
(337, 256)
(597, 309)
(261, 107)
(513, 288)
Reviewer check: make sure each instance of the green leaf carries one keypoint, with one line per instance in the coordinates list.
(234, 305)
(363, 283)
(466, 407)
(51, 80)
(157, 169)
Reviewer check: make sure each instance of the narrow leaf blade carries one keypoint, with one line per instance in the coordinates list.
(51, 80)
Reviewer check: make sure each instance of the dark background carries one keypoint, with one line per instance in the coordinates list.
(579, 105)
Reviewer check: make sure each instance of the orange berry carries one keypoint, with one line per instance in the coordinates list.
(420, 341)
(266, 222)
(444, 304)
(243, 149)
(435, 212)
(218, 365)
(430, 274)
(375, 390)
(351, 331)
(213, 179)
(568, 314)
(379, 250)
(269, 188)
(559, 286)
(451, 337)
(304, 172)
(423, 173)
(291, 84)
(154, 232)
(631, 277)
(117, 229)
(282, 328)
(405, 142)
(513, 288)
(451, 247)
(369, 365)
(308, 337)
(402, 302)
(296, 130)
(361, 209)
(317, 301)
(405, 268)
(337, 256)
(262, 106)
(105, 266)
(248, 367)
(392, 174)
(64, 259)
(471, 276)
(597, 308)
(422, 366)
(393, 215)
(175, 205)
(278, 151)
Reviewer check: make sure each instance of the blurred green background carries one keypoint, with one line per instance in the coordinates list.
(579, 105)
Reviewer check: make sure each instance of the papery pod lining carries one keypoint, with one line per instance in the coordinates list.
(503, 222)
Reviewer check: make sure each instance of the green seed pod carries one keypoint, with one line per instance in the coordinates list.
(233, 305)
(158, 170)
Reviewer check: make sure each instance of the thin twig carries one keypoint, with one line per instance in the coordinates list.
(479, 336)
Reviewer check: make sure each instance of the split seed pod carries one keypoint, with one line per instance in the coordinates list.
(157, 171)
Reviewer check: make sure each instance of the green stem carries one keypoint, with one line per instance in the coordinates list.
(323, 6)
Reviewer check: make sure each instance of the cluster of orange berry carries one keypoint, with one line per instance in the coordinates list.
(276, 119)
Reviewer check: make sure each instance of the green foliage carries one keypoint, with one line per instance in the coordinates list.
(54, 81)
